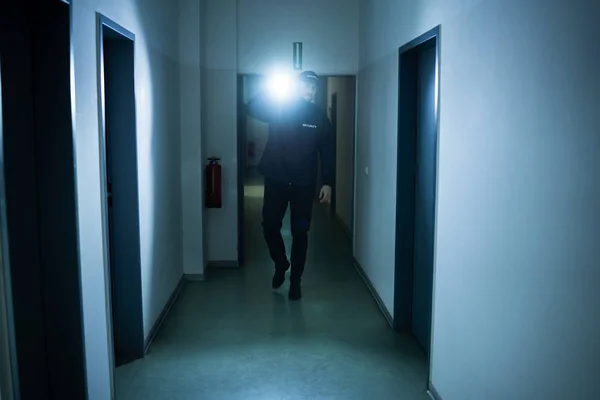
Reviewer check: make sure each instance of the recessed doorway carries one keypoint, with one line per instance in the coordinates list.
(418, 115)
(120, 188)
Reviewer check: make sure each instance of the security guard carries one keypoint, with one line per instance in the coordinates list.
(300, 134)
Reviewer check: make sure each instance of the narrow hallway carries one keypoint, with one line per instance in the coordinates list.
(233, 337)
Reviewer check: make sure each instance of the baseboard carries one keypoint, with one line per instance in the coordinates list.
(433, 393)
(163, 314)
(378, 300)
(223, 264)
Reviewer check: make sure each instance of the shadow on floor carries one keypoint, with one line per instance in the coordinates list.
(234, 338)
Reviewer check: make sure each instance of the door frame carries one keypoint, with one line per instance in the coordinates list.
(103, 22)
(406, 184)
(241, 152)
(241, 139)
(67, 250)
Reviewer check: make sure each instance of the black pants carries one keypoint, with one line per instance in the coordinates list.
(276, 200)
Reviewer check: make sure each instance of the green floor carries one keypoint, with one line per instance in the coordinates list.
(234, 338)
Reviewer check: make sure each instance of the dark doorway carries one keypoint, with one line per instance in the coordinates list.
(416, 186)
(342, 114)
(334, 128)
(40, 258)
(120, 173)
(321, 100)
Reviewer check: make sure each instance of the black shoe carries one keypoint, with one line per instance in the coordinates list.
(295, 291)
(278, 278)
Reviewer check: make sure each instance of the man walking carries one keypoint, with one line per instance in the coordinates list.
(299, 135)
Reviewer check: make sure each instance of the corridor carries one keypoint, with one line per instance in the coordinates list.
(233, 337)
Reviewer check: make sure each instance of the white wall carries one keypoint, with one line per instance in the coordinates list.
(328, 30)
(254, 37)
(219, 123)
(155, 24)
(517, 261)
(192, 161)
(345, 89)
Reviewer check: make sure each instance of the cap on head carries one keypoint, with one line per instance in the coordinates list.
(309, 77)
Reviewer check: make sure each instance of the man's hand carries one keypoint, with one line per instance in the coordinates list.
(325, 195)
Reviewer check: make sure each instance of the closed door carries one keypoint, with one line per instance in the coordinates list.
(120, 152)
(39, 216)
(426, 149)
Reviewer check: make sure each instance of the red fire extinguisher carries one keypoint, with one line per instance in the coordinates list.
(213, 183)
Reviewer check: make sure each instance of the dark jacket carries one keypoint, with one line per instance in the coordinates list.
(299, 135)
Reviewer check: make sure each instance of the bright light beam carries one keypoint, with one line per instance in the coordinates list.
(280, 86)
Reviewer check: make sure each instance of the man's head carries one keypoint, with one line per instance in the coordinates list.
(308, 85)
